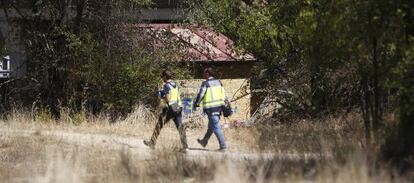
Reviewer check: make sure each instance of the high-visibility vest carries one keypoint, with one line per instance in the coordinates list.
(174, 95)
(215, 94)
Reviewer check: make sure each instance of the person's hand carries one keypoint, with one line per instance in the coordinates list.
(157, 94)
(160, 94)
(195, 107)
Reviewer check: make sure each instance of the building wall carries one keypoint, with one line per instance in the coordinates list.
(235, 89)
(225, 70)
(235, 76)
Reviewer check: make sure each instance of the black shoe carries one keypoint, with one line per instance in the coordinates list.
(223, 149)
(202, 142)
(149, 144)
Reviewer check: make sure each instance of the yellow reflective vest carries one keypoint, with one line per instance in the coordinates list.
(173, 95)
(215, 94)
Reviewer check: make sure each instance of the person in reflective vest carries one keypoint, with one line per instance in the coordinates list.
(171, 95)
(212, 98)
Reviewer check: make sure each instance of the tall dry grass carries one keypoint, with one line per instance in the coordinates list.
(36, 158)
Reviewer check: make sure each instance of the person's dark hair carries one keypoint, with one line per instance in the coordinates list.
(168, 74)
(210, 71)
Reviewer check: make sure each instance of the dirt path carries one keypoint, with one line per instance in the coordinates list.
(138, 149)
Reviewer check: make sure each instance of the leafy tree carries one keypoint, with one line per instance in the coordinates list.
(399, 146)
(81, 56)
(332, 55)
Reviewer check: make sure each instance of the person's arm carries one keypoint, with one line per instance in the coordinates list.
(200, 95)
(166, 92)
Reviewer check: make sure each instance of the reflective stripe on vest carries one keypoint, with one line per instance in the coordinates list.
(174, 95)
(215, 95)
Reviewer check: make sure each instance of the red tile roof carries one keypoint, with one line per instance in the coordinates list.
(202, 44)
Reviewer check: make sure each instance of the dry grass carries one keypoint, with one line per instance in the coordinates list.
(45, 160)
(37, 158)
(139, 124)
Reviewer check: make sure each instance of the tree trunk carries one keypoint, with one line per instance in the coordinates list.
(80, 6)
(366, 109)
(376, 89)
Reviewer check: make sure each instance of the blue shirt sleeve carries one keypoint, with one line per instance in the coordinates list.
(166, 89)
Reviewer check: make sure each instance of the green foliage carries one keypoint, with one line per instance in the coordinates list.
(400, 143)
(330, 55)
(323, 51)
(82, 57)
(79, 118)
(141, 2)
(404, 81)
(44, 116)
(131, 84)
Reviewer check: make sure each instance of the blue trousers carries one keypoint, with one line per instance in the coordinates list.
(214, 127)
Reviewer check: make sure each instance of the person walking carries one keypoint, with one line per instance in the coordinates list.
(212, 96)
(173, 110)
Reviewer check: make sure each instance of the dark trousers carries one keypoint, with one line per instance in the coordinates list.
(166, 115)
